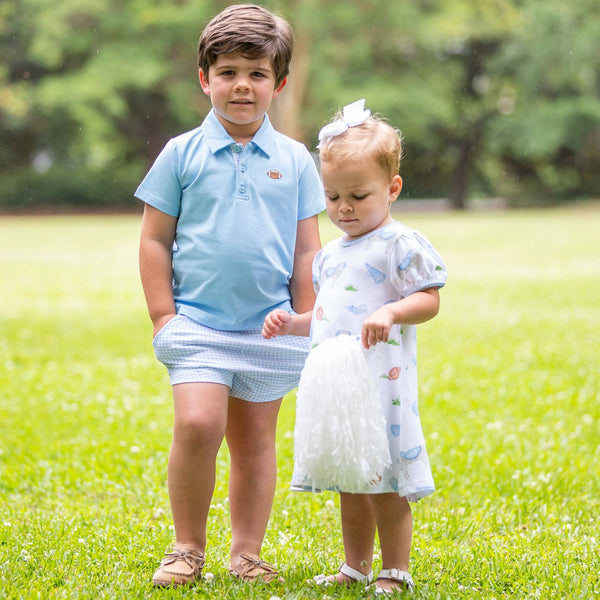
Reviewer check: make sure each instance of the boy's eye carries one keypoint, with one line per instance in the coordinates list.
(258, 74)
(359, 196)
(332, 198)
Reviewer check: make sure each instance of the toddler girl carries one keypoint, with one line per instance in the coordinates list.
(377, 282)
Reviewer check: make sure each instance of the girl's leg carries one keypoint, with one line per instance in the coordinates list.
(358, 531)
(251, 428)
(394, 526)
(200, 422)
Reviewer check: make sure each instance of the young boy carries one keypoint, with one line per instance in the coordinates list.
(229, 233)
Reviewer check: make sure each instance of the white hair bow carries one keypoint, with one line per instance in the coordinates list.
(352, 115)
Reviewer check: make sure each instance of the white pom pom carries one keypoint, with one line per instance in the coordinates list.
(340, 436)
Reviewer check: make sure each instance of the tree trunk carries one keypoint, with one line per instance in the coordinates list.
(286, 108)
(459, 188)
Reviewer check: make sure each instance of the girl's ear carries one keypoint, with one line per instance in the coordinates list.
(395, 187)
(204, 82)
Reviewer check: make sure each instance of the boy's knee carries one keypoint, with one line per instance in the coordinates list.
(199, 428)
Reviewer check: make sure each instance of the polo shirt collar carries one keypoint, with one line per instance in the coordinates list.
(218, 138)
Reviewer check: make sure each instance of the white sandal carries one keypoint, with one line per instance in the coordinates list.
(394, 575)
(354, 575)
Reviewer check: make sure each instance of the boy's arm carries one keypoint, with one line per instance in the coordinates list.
(412, 310)
(280, 322)
(156, 271)
(308, 243)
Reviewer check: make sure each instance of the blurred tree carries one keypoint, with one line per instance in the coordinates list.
(476, 87)
(96, 87)
(425, 66)
(492, 96)
(546, 139)
(464, 37)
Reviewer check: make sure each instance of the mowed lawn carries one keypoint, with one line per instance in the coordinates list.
(510, 405)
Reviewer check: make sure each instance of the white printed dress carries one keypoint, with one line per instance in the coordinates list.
(352, 279)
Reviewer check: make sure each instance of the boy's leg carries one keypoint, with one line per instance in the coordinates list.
(394, 527)
(251, 428)
(199, 427)
(358, 531)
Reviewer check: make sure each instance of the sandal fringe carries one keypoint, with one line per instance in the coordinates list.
(253, 568)
(191, 563)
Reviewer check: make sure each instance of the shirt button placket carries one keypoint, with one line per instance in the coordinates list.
(242, 176)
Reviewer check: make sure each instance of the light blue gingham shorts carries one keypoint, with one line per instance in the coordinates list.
(254, 368)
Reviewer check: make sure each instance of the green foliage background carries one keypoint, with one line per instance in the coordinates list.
(494, 97)
(510, 405)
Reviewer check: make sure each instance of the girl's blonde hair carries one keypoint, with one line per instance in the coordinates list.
(375, 138)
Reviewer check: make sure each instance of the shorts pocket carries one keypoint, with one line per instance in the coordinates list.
(156, 341)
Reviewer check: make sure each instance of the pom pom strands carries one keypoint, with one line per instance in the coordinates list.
(340, 438)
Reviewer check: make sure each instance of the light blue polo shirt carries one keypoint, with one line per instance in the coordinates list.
(237, 218)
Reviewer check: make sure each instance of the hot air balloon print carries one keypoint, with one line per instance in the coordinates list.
(375, 274)
(405, 261)
(332, 274)
(412, 453)
(357, 309)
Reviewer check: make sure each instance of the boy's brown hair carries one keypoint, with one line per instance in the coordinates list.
(251, 31)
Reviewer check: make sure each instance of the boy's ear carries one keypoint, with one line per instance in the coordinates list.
(395, 187)
(280, 87)
(204, 82)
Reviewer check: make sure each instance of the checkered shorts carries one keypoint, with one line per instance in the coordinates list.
(255, 369)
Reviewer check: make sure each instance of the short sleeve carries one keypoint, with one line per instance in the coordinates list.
(311, 196)
(161, 188)
(415, 265)
(316, 270)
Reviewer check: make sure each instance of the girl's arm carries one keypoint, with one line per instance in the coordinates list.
(416, 308)
(308, 243)
(156, 271)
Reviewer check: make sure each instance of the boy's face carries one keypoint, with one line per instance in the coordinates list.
(241, 90)
(359, 193)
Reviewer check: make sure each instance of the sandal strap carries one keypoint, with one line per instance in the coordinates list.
(396, 575)
(347, 570)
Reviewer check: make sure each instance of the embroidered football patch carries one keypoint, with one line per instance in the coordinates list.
(274, 174)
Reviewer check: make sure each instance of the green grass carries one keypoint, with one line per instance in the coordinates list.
(510, 406)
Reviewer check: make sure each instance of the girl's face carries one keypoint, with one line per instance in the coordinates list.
(359, 193)
(241, 90)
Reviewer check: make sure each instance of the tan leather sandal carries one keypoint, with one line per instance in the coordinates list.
(179, 567)
(253, 569)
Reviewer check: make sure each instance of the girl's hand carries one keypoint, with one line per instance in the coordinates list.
(277, 322)
(376, 328)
